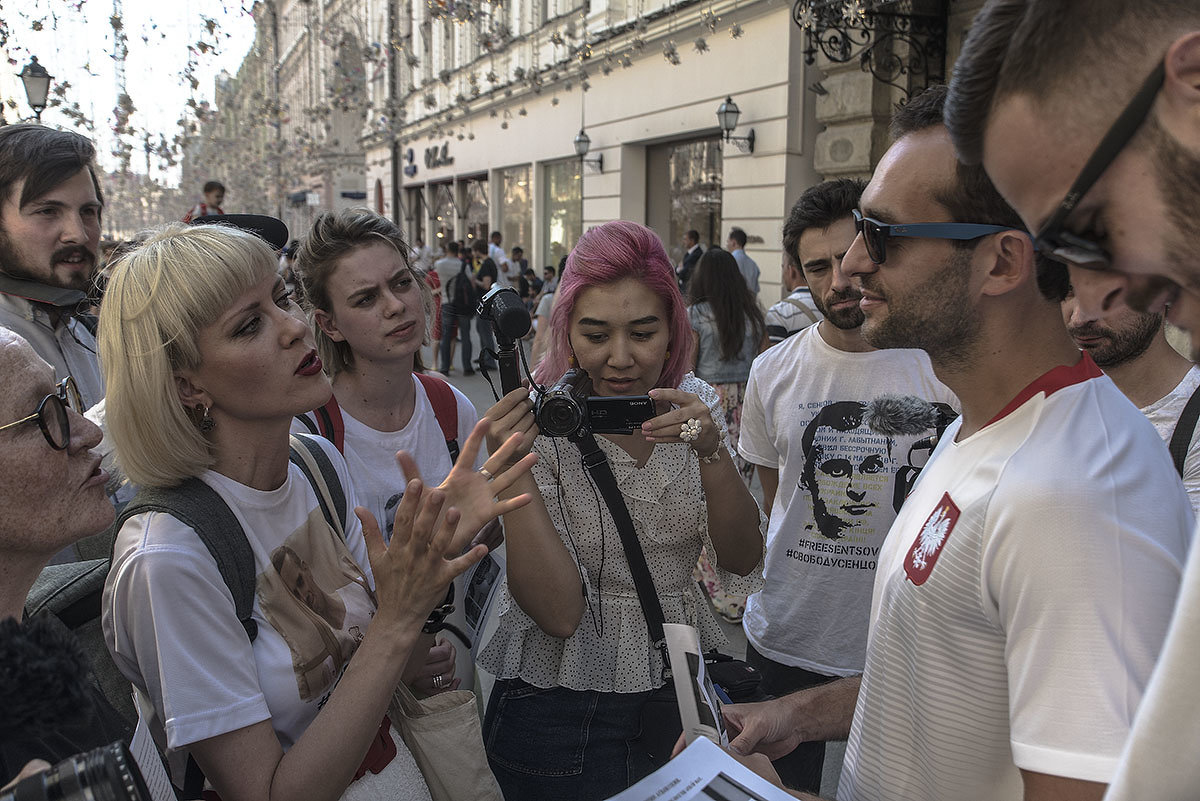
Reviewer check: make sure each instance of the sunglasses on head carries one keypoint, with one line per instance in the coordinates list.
(51, 414)
(1071, 248)
(875, 234)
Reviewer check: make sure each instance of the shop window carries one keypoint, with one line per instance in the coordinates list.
(516, 214)
(475, 205)
(683, 192)
(564, 209)
(444, 213)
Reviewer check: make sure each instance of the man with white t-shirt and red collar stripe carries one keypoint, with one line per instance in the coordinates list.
(1023, 593)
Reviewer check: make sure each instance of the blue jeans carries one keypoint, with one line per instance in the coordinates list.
(449, 320)
(555, 744)
(486, 342)
(801, 769)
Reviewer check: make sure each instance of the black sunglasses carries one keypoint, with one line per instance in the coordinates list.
(1070, 248)
(875, 234)
(51, 414)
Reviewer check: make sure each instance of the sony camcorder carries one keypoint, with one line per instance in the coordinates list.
(568, 408)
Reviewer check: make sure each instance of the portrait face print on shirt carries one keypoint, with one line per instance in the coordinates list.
(317, 599)
(847, 470)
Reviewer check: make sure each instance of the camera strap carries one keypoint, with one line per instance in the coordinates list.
(596, 463)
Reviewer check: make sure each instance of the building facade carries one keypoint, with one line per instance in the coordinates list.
(461, 117)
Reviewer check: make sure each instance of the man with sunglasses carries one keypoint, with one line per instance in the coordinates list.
(51, 494)
(828, 479)
(1085, 114)
(50, 207)
(1024, 590)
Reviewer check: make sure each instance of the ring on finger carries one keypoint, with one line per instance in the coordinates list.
(483, 471)
(438, 681)
(690, 431)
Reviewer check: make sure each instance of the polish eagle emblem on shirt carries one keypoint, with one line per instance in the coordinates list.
(930, 540)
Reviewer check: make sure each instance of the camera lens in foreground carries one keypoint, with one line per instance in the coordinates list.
(107, 773)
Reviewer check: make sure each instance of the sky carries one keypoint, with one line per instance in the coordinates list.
(74, 41)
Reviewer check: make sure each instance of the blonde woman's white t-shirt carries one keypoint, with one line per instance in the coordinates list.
(170, 622)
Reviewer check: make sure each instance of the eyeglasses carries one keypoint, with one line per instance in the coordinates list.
(876, 234)
(1070, 248)
(51, 414)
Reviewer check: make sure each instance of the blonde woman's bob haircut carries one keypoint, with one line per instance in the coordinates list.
(333, 237)
(159, 297)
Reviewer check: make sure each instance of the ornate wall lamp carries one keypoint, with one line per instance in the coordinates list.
(902, 43)
(727, 116)
(583, 143)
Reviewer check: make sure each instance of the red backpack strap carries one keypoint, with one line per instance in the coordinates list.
(445, 409)
(330, 424)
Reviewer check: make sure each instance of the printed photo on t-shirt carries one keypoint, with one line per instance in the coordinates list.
(847, 472)
(317, 597)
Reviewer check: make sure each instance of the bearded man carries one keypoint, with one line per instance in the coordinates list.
(50, 207)
(827, 479)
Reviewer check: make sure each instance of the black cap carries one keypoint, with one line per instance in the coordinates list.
(269, 229)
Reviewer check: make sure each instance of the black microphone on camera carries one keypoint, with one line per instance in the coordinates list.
(510, 320)
(504, 307)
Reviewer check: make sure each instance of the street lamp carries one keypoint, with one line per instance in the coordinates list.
(727, 117)
(37, 85)
(583, 143)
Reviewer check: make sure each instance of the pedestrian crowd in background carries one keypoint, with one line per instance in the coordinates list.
(976, 447)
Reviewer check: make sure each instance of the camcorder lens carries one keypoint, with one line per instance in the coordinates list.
(559, 416)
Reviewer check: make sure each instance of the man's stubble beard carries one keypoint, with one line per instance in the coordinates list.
(936, 316)
(844, 319)
(1124, 345)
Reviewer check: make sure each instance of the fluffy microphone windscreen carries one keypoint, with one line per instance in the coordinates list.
(895, 415)
(43, 678)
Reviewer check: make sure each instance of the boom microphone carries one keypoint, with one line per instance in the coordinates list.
(503, 306)
(896, 415)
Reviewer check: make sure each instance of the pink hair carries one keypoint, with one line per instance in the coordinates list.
(608, 253)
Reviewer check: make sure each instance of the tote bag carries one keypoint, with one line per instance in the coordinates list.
(446, 740)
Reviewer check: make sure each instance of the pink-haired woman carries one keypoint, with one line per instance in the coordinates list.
(572, 654)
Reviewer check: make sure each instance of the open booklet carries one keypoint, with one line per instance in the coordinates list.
(703, 772)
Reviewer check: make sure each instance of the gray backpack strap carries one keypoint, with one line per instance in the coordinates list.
(71, 592)
(324, 481)
(198, 506)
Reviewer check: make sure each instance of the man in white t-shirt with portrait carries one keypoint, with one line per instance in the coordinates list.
(828, 480)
